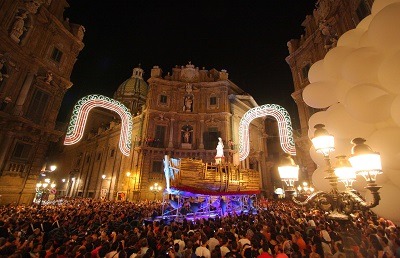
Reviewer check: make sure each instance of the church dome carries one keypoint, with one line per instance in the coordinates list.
(134, 87)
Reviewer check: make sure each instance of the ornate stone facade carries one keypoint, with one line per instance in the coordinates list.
(330, 19)
(181, 114)
(36, 61)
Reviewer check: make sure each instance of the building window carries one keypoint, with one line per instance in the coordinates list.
(304, 70)
(157, 167)
(163, 99)
(211, 138)
(213, 101)
(21, 151)
(37, 106)
(3, 76)
(56, 55)
(159, 137)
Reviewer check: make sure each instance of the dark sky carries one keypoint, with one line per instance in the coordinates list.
(247, 38)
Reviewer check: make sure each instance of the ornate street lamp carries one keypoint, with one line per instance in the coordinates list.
(345, 172)
(44, 172)
(289, 173)
(155, 189)
(363, 161)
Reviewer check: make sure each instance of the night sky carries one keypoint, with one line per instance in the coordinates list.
(247, 38)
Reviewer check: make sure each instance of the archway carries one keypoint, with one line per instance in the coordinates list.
(284, 126)
(80, 114)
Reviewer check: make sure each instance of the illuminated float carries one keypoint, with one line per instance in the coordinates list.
(194, 187)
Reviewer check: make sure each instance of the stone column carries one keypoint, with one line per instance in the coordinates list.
(227, 129)
(201, 145)
(5, 145)
(171, 134)
(23, 94)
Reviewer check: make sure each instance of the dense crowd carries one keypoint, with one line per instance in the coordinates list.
(93, 228)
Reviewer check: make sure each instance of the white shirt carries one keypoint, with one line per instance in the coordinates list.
(203, 251)
(244, 241)
(181, 245)
(212, 243)
(224, 250)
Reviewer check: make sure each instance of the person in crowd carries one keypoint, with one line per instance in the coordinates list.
(339, 250)
(265, 251)
(225, 246)
(202, 250)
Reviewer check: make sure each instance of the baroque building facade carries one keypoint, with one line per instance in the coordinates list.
(38, 50)
(330, 19)
(180, 114)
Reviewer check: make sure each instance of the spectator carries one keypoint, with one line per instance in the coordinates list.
(202, 249)
(265, 251)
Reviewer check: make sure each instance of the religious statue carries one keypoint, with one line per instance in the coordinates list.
(32, 5)
(189, 88)
(188, 104)
(81, 33)
(186, 135)
(18, 27)
(220, 148)
(329, 33)
(49, 77)
(290, 46)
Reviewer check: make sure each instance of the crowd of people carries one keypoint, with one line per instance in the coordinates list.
(81, 227)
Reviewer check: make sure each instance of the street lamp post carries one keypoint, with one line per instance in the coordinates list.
(363, 161)
(155, 189)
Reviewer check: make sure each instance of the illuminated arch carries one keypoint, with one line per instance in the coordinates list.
(80, 114)
(284, 126)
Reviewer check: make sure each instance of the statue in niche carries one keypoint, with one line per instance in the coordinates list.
(220, 148)
(18, 27)
(186, 134)
(32, 5)
(49, 77)
(329, 33)
(290, 46)
(81, 33)
(189, 88)
(188, 104)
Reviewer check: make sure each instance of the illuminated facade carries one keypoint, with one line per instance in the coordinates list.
(181, 114)
(38, 50)
(328, 22)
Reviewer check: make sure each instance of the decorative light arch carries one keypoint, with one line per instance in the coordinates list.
(284, 126)
(80, 114)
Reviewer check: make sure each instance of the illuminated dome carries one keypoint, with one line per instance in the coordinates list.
(134, 87)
